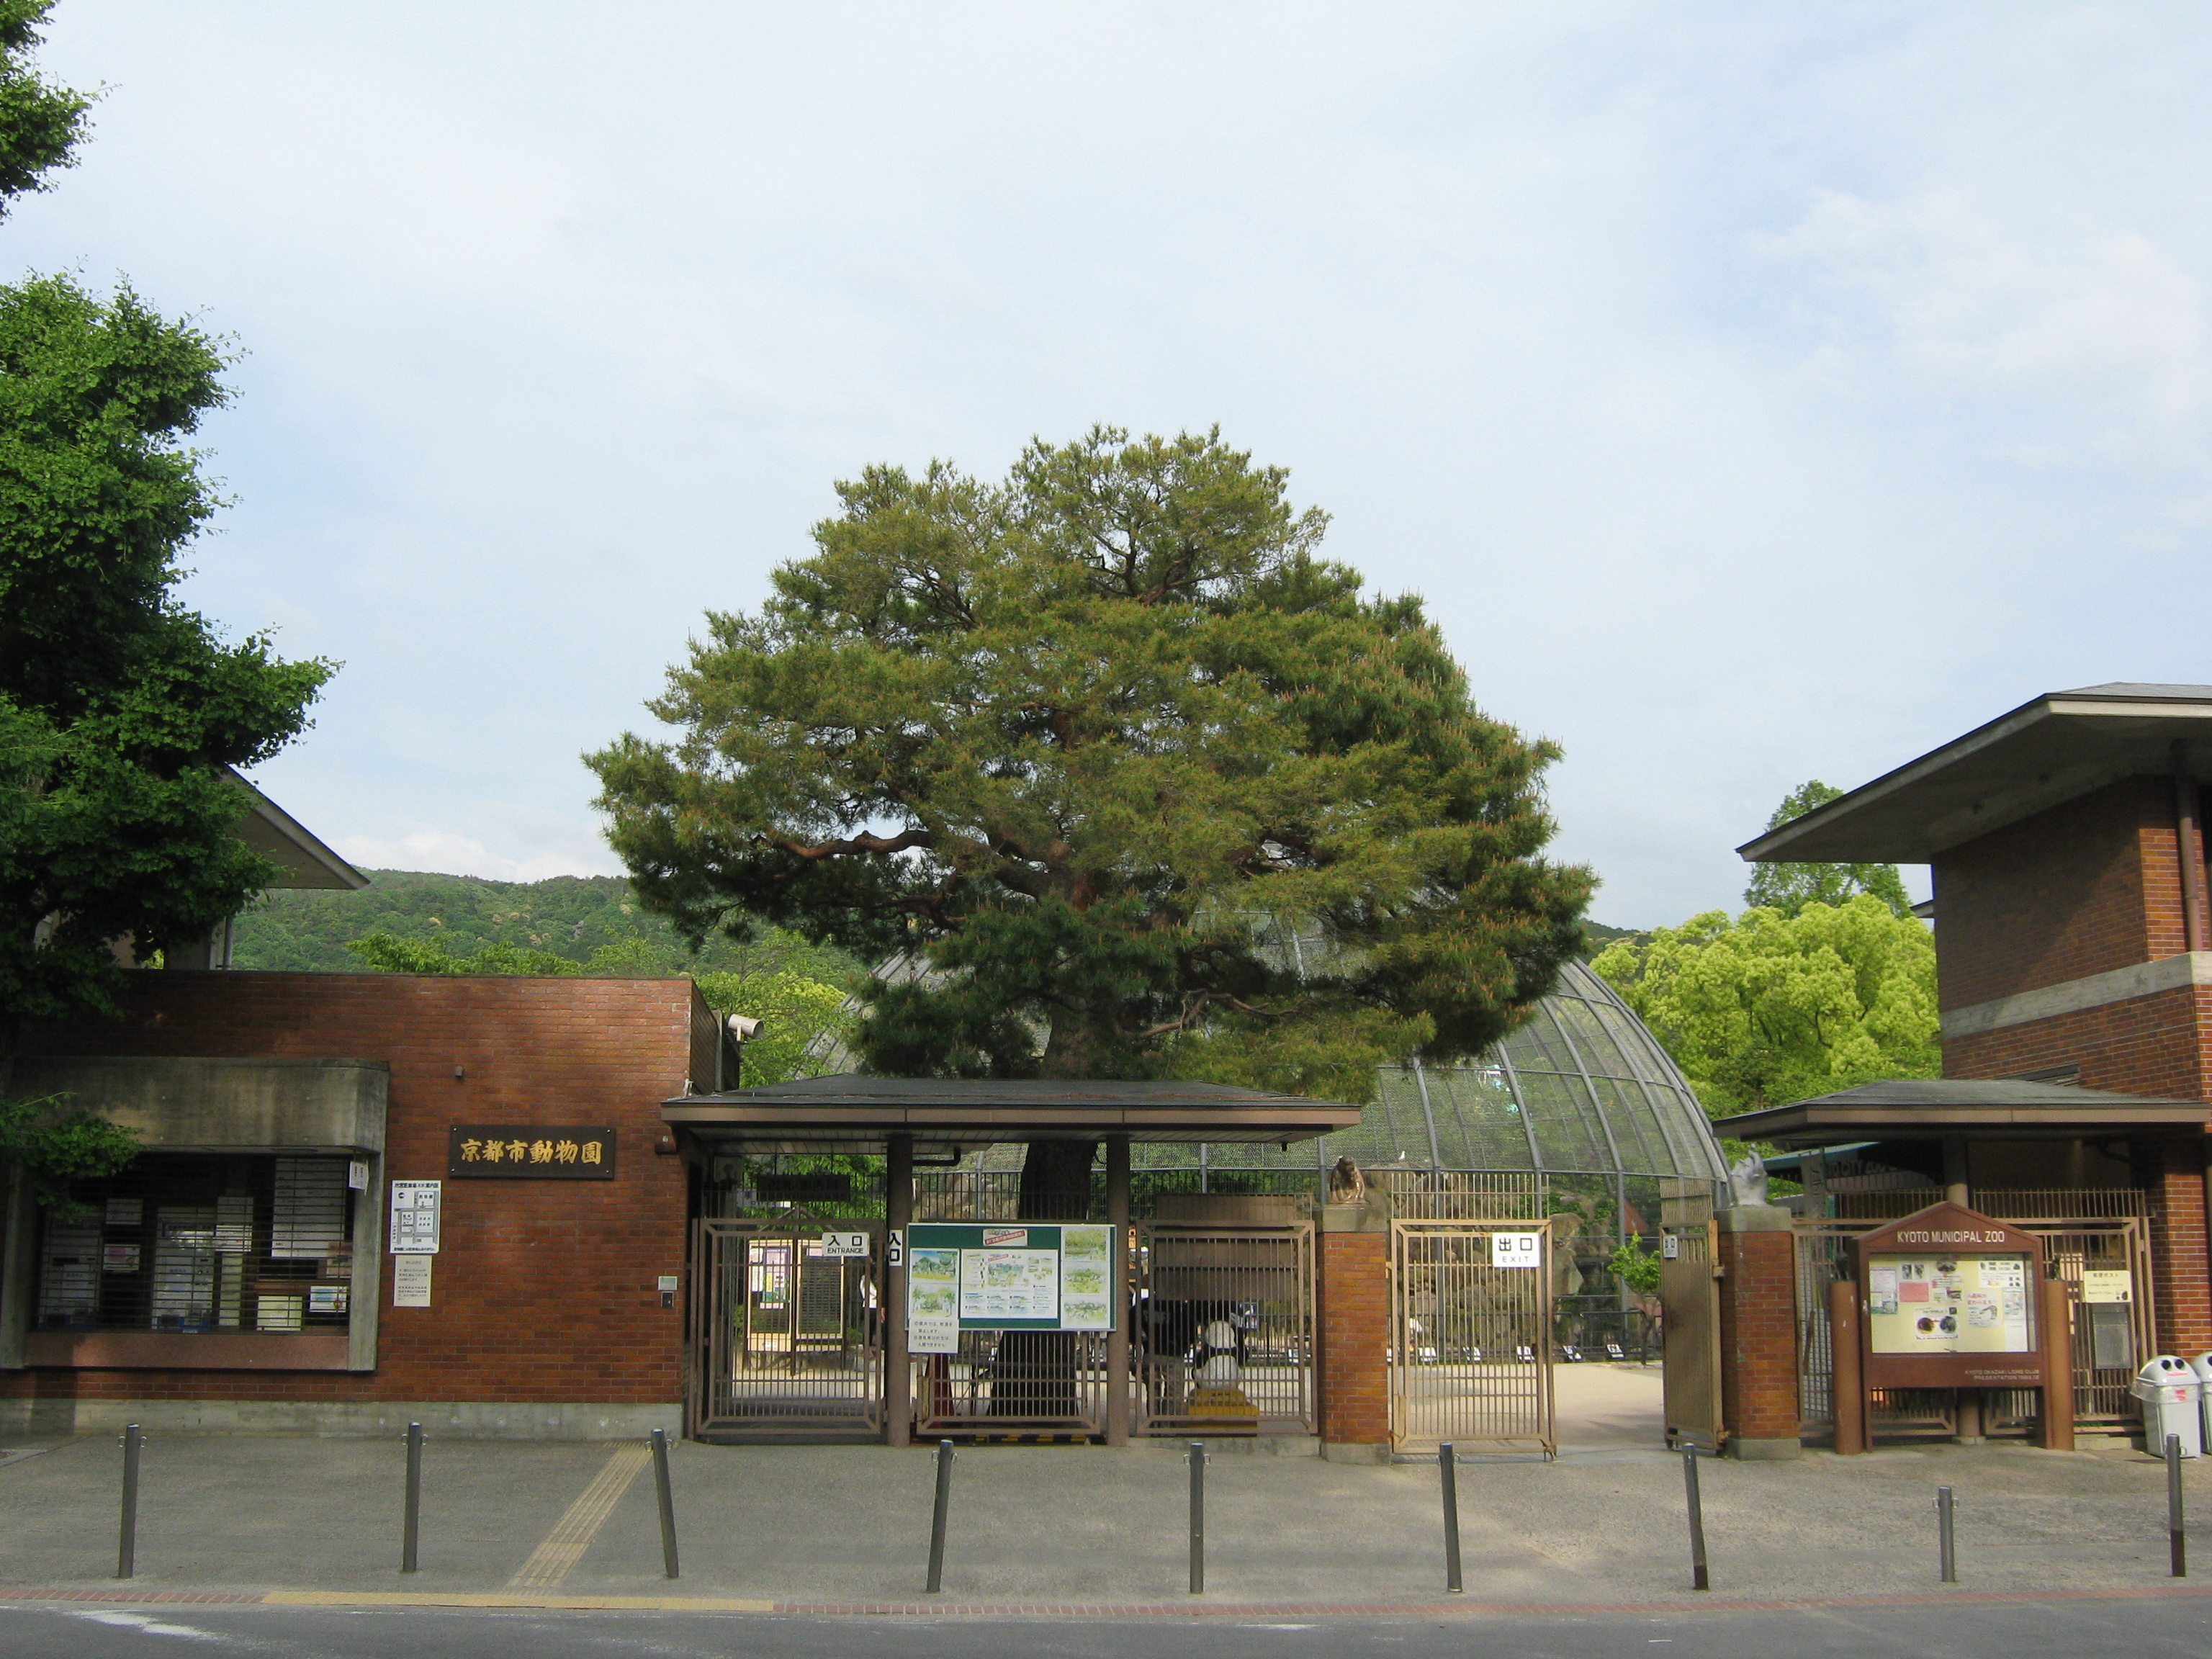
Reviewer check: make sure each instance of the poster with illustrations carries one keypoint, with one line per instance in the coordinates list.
(932, 1301)
(966, 1276)
(1938, 1303)
(1086, 1279)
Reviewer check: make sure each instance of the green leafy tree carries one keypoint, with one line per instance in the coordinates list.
(1770, 1008)
(1101, 740)
(1790, 888)
(796, 1014)
(121, 711)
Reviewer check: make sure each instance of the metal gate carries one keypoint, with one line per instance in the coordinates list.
(1690, 1297)
(785, 1339)
(1224, 1341)
(2104, 1359)
(1470, 1339)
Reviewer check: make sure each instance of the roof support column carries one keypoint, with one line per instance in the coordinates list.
(2190, 833)
(898, 1366)
(1117, 1338)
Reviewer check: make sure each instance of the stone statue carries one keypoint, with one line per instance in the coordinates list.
(1747, 1180)
(1345, 1184)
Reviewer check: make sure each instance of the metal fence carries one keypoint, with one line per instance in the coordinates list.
(785, 1340)
(1224, 1338)
(1471, 1339)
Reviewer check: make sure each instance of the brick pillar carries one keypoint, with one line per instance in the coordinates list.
(1353, 1335)
(2177, 1254)
(1758, 1331)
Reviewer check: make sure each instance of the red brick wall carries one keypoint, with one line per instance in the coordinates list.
(2158, 1045)
(2087, 886)
(1759, 1335)
(2181, 1273)
(1353, 1295)
(543, 1291)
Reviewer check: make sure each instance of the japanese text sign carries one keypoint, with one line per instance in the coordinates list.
(529, 1151)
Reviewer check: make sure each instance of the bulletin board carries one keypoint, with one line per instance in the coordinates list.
(1950, 1299)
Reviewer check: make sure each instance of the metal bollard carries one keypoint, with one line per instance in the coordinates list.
(667, 1502)
(1197, 1517)
(1947, 1547)
(1448, 1463)
(2177, 1541)
(126, 1549)
(937, 1517)
(1698, 1579)
(411, 1527)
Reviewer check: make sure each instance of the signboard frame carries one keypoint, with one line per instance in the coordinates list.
(928, 1242)
(1950, 1232)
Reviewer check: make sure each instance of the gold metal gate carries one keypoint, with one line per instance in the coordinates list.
(1690, 1297)
(786, 1332)
(1470, 1337)
(1224, 1341)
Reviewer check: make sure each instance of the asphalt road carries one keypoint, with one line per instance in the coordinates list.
(2145, 1627)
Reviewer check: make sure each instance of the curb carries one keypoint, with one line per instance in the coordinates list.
(1453, 1609)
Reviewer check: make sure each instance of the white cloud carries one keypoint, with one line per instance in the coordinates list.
(2093, 320)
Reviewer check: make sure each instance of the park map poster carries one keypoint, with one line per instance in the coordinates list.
(962, 1277)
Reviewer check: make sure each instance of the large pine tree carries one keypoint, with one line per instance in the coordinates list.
(1159, 793)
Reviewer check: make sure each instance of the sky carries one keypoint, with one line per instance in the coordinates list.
(1755, 393)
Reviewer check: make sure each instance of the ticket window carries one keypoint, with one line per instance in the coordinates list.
(191, 1242)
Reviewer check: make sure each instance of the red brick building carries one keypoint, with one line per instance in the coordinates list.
(242, 1273)
(2074, 979)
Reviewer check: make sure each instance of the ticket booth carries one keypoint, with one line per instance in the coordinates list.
(1951, 1299)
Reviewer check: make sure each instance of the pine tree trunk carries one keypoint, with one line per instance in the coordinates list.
(1035, 1374)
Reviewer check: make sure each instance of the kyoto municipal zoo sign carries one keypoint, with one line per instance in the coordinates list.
(529, 1151)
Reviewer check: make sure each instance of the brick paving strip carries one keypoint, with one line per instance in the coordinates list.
(1460, 1609)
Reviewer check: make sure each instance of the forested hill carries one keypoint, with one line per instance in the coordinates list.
(570, 916)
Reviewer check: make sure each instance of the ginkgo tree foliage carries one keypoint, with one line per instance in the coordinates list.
(1100, 738)
(1769, 1007)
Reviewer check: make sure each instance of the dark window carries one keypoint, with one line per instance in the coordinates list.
(192, 1242)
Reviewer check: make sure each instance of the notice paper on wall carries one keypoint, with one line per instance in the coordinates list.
(411, 1281)
(415, 1211)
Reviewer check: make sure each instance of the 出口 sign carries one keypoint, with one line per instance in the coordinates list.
(529, 1151)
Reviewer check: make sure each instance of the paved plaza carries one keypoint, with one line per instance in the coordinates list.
(829, 1527)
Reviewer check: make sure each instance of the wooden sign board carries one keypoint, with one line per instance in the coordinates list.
(1950, 1299)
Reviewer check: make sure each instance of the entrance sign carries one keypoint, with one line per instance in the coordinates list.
(415, 1211)
(1949, 1298)
(1039, 1277)
(529, 1151)
(1516, 1249)
(844, 1243)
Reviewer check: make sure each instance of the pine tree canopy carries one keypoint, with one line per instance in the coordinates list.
(1156, 789)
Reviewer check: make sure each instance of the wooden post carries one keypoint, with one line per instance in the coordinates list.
(1846, 1378)
(2056, 1317)
(898, 1368)
(1117, 1339)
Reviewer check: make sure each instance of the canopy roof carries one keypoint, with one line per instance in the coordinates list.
(2059, 745)
(948, 1117)
(1928, 1109)
(300, 858)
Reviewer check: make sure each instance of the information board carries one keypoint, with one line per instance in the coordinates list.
(414, 1215)
(1949, 1304)
(1035, 1276)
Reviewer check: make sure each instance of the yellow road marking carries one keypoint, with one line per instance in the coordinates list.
(578, 1603)
(572, 1535)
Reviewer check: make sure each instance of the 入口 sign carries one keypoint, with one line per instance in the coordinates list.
(844, 1244)
(529, 1151)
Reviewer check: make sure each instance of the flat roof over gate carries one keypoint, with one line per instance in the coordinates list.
(948, 1117)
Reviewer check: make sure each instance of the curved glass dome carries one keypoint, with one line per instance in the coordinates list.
(1582, 1088)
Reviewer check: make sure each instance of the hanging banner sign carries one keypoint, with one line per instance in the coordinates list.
(1038, 1276)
